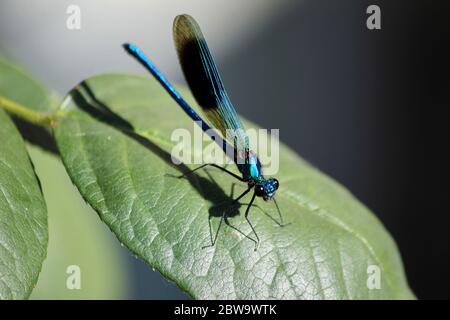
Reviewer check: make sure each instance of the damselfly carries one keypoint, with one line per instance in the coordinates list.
(206, 85)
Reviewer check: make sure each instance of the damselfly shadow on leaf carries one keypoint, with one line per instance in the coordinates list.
(86, 100)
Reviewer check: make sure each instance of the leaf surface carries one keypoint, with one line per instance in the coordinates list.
(114, 137)
(23, 216)
(23, 213)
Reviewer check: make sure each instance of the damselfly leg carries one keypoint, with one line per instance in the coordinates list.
(224, 218)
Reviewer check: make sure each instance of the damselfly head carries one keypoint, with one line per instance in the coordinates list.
(267, 188)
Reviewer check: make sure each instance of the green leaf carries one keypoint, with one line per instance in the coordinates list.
(324, 253)
(17, 85)
(23, 216)
(76, 237)
(74, 229)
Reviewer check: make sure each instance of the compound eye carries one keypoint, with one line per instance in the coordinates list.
(259, 190)
(276, 183)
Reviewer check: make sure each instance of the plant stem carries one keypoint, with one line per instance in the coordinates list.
(38, 118)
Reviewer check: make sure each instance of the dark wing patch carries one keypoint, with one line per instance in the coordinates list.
(203, 78)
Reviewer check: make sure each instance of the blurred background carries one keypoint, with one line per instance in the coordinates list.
(367, 107)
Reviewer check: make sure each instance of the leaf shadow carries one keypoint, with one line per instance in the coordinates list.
(86, 100)
(36, 135)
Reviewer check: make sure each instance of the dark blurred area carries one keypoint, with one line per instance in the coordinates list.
(368, 107)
